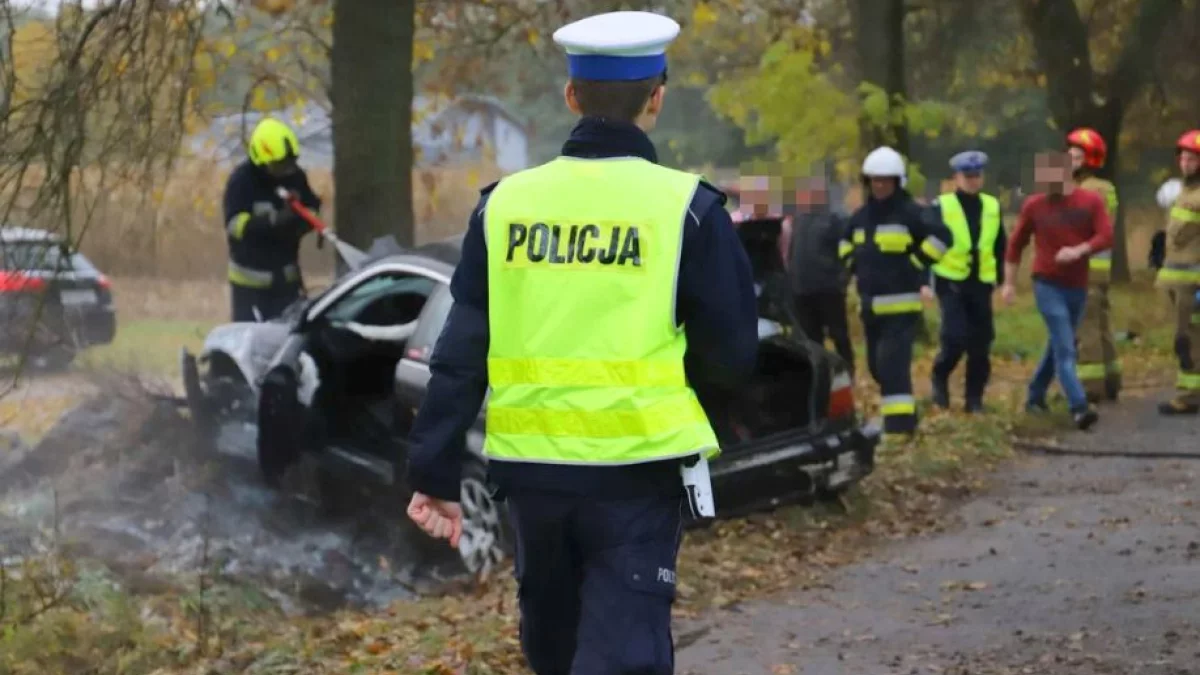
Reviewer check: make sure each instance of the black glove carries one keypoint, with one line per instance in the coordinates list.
(1158, 249)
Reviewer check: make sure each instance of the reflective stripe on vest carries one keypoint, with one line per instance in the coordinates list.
(585, 361)
(248, 277)
(956, 264)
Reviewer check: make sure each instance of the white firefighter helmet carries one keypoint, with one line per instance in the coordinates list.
(884, 162)
(1168, 192)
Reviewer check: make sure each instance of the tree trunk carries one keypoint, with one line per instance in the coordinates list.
(879, 36)
(372, 95)
(1079, 97)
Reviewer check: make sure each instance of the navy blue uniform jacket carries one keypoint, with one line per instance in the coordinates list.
(263, 246)
(715, 304)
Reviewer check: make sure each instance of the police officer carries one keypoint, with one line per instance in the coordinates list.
(889, 244)
(1180, 276)
(263, 232)
(584, 287)
(965, 278)
(1099, 369)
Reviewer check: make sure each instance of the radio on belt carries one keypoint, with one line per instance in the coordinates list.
(698, 484)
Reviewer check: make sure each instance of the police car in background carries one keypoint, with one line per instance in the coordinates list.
(338, 379)
(53, 300)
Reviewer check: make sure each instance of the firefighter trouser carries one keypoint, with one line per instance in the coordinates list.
(967, 328)
(262, 304)
(1099, 370)
(596, 581)
(890, 339)
(1187, 344)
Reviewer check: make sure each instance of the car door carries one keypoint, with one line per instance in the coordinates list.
(412, 372)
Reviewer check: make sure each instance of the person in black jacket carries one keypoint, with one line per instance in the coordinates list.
(263, 232)
(889, 244)
(818, 277)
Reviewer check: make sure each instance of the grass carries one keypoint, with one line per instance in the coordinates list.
(474, 629)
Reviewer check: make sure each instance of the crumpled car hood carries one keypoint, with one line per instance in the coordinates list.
(250, 345)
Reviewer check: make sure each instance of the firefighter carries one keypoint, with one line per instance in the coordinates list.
(1099, 368)
(582, 284)
(965, 278)
(888, 245)
(1180, 277)
(262, 231)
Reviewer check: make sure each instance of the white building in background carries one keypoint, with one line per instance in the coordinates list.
(466, 129)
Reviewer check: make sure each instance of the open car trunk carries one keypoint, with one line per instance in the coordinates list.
(788, 393)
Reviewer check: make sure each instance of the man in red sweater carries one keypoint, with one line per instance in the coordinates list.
(1066, 225)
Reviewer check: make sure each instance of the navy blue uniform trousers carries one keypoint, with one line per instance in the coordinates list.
(270, 302)
(967, 328)
(890, 339)
(596, 581)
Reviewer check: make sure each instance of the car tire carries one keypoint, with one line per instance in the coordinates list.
(486, 537)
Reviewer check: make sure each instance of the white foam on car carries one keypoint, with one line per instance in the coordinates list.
(310, 379)
(398, 333)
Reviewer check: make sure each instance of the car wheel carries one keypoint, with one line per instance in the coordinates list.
(485, 536)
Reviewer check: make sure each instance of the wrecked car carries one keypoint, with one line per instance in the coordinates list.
(342, 375)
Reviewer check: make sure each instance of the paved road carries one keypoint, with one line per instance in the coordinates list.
(1082, 565)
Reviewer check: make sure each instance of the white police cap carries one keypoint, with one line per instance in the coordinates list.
(970, 161)
(617, 45)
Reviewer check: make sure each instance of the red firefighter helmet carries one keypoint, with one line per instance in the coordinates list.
(1095, 150)
(1189, 141)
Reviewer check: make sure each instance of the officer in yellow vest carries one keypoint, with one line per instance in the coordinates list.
(1099, 369)
(1180, 277)
(964, 280)
(584, 286)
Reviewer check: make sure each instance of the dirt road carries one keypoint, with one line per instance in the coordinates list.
(1082, 565)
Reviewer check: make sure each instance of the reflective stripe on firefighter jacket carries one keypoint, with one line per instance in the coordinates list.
(956, 264)
(888, 246)
(585, 360)
(263, 255)
(1181, 265)
(1100, 264)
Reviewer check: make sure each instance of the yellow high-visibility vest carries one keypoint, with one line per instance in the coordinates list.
(585, 360)
(956, 264)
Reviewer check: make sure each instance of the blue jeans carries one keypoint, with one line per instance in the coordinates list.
(1061, 309)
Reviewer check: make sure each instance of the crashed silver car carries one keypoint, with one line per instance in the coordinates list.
(342, 375)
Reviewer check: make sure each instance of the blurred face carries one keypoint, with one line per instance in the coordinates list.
(1052, 172)
(812, 193)
(757, 197)
(283, 168)
(1076, 155)
(970, 182)
(1189, 163)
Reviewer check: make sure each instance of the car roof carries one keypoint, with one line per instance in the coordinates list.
(15, 234)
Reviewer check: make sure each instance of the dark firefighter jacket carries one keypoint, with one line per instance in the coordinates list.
(261, 254)
(889, 245)
(715, 303)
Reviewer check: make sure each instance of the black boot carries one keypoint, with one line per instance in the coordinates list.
(941, 392)
(974, 405)
(1112, 386)
(1177, 406)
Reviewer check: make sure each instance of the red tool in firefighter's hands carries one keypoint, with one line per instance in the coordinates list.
(353, 257)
